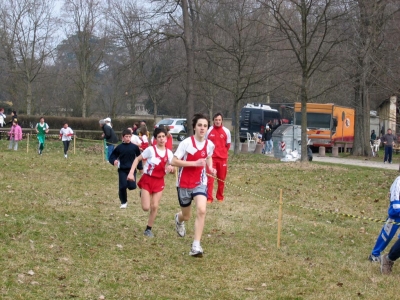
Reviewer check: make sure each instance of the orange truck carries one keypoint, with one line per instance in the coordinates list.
(327, 124)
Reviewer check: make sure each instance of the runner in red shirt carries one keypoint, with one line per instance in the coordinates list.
(192, 156)
(158, 159)
(221, 137)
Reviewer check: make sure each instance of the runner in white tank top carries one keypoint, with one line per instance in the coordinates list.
(192, 156)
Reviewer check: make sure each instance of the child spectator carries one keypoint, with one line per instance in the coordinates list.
(15, 135)
(123, 157)
(158, 159)
(65, 135)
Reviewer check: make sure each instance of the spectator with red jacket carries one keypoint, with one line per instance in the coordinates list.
(221, 137)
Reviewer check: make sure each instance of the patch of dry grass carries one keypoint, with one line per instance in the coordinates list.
(64, 236)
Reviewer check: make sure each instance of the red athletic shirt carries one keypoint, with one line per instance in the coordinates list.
(221, 137)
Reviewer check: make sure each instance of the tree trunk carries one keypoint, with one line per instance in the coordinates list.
(236, 131)
(28, 97)
(84, 101)
(188, 41)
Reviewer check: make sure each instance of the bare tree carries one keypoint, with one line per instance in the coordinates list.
(236, 45)
(28, 25)
(309, 27)
(367, 44)
(87, 42)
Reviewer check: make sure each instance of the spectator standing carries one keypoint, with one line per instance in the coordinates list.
(41, 129)
(2, 120)
(13, 116)
(15, 135)
(109, 136)
(267, 138)
(373, 135)
(192, 156)
(65, 135)
(135, 128)
(2, 117)
(221, 138)
(123, 157)
(388, 140)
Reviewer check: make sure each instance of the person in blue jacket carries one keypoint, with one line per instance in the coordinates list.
(389, 229)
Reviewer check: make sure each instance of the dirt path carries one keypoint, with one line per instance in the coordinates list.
(357, 162)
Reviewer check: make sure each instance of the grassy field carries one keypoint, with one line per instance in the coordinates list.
(64, 236)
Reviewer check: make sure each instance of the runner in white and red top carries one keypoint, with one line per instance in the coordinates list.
(158, 163)
(221, 137)
(192, 156)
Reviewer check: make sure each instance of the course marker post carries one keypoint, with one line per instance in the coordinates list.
(74, 142)
(27, 143)
(280, 219)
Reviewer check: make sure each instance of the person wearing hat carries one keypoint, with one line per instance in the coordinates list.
(108, 135)
(267, 139)
(15, 135)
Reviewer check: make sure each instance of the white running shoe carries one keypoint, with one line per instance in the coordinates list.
(180, 227)
(196, 251)
(125, 205)
(65, 155)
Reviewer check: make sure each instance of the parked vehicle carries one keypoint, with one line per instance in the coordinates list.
(327, 123)
(177, 127)
(254, 117)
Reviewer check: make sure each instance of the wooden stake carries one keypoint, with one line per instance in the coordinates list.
(280, 220)
(27, 143)
(74, 143)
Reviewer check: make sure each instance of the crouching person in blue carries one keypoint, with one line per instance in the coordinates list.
(389, 229)
(122, 157)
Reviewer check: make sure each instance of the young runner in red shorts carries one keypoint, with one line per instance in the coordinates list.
(158, 159)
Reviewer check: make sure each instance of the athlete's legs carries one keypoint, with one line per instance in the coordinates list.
(394, 252)
(145, 199)
(154, 203)
(185, 214)
(385, 236)
(201, 204)
(123, 184)
(210, 183)
(222, 170)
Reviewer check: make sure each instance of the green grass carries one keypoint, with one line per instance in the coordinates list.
(63, 235)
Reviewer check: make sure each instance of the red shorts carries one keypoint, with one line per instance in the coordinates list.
(151, 184)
